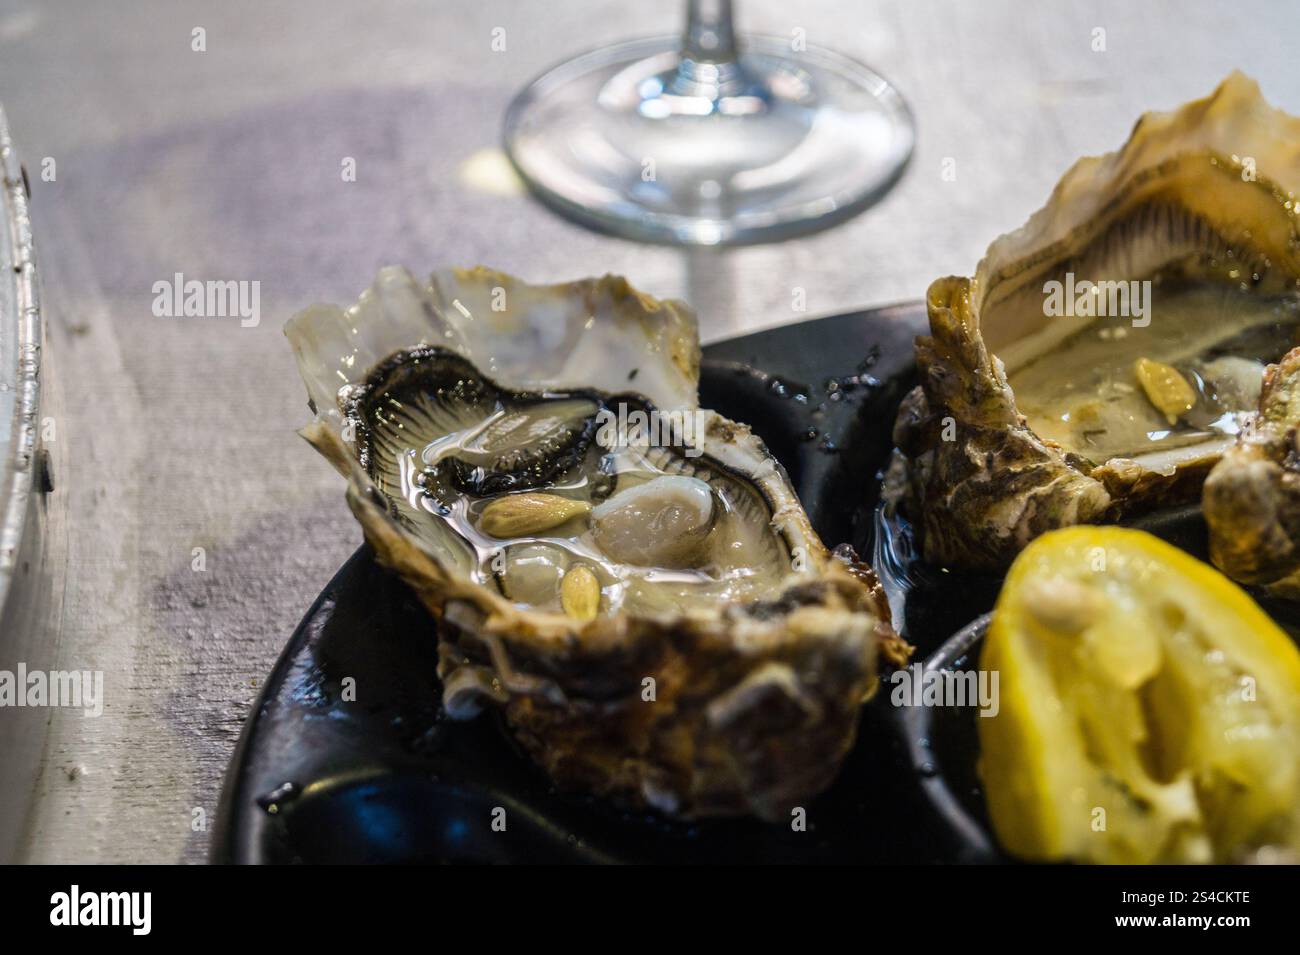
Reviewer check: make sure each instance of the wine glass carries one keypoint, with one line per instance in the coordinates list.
(707, 139)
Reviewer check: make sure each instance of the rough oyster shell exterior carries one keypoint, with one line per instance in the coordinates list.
(1252, 497)
(977, 481)
(754, 704)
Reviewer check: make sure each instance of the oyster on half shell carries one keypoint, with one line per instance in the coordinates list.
(629, 577)
(1104, 356)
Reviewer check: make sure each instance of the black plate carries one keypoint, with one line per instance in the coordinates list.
(384, 777)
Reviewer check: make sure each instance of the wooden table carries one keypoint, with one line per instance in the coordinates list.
(177, 434)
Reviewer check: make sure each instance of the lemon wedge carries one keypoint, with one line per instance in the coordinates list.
(1149, 711)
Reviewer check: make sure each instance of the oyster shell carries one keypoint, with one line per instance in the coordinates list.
(1252, 497)
(1103, 357)
(651, 610)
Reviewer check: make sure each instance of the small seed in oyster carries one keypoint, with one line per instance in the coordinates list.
(1165, 388)
(521, 514)
(580, 593)
(661, 523)
(533, 572)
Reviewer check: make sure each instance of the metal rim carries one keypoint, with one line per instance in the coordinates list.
(20, 462)
(916, 725)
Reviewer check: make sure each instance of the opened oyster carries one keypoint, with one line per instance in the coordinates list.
(1252, 497)
(629, 577)
(1104, 356)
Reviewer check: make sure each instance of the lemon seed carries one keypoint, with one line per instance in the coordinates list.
(521, 514)
(580, 593)
(1168, 390)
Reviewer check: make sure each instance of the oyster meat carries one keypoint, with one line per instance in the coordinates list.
(629, 577)
(1105, 355)
(1252, 497)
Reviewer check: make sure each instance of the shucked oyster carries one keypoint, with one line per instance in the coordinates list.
(1252, 497)
(630, 577)
(1105, 355)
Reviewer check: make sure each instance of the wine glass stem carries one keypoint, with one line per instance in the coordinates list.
(710, 36)
(708, 67)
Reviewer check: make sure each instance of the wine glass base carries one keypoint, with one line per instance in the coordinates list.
(802, 140)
